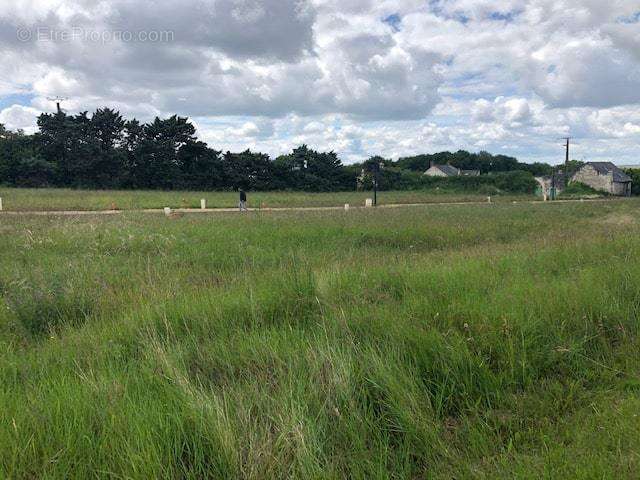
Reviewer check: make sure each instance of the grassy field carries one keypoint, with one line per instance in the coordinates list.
(62, 199)
(459, 342)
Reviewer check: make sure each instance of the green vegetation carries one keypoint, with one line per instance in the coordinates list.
(453, 342)
(634, 173)
(15, 199)
(105, 151)
(580, 190)
(483, 161)
(503, 183)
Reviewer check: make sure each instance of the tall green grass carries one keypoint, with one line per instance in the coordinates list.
(460, 342)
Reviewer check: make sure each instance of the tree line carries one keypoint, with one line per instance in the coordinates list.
(105, 151)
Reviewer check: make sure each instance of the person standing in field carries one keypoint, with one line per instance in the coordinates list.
(243, 201)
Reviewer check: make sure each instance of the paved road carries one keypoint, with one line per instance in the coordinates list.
(288, 209)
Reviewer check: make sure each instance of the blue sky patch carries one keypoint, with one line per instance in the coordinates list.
(504, 16)
(461, 17)
(635, 18)
(394, 21)
(435, 7)
(16, 99)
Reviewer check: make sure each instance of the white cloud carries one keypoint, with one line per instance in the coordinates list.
(18, 117)
(58, 83)
(506, 75)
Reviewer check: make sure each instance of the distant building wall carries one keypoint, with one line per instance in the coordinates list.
(590, 176)
(621, 188)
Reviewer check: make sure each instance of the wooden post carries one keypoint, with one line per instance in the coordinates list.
(203, 204)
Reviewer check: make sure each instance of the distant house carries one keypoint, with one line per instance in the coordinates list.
(604, 176)
(450, 171)
(442, 171)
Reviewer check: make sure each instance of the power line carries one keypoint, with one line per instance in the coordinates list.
(58, 101)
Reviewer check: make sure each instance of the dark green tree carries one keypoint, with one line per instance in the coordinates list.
(201, 167)
(157, 164)
(248, 170)
(307, 169)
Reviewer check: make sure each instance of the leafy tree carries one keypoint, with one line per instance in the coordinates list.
(108, 126)
(573, 166)
(21, 164)
(55, 145)
(483, 161)
(634, 173)
(133, 136)
(200, 167)
(307, 169)
(537, 169)
(157, 164)
(103, 150)
(248, 170)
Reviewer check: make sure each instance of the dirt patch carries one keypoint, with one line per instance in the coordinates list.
(619, 219)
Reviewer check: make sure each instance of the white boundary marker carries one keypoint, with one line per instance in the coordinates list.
(296, 209)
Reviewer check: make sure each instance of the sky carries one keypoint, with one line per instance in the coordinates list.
(359, 77)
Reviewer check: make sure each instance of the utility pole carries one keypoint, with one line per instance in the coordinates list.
(377, 166)
(566, 161)
(58, 101)
(376, 170)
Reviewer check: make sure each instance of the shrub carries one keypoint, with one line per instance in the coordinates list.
(578, 189)
(634, 173)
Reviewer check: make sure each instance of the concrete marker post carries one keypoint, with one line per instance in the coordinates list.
(203, 204)
(368, 202)
(167, 212)
(0, 204)
(489, 199)
(346, 207)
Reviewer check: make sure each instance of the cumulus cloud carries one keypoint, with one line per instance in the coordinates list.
(505, 75)
(585, 72)
(18, 117)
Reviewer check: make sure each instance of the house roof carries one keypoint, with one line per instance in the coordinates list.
(448, 169)
(604, 168)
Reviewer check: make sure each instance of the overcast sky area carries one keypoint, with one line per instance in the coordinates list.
(360, 77)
